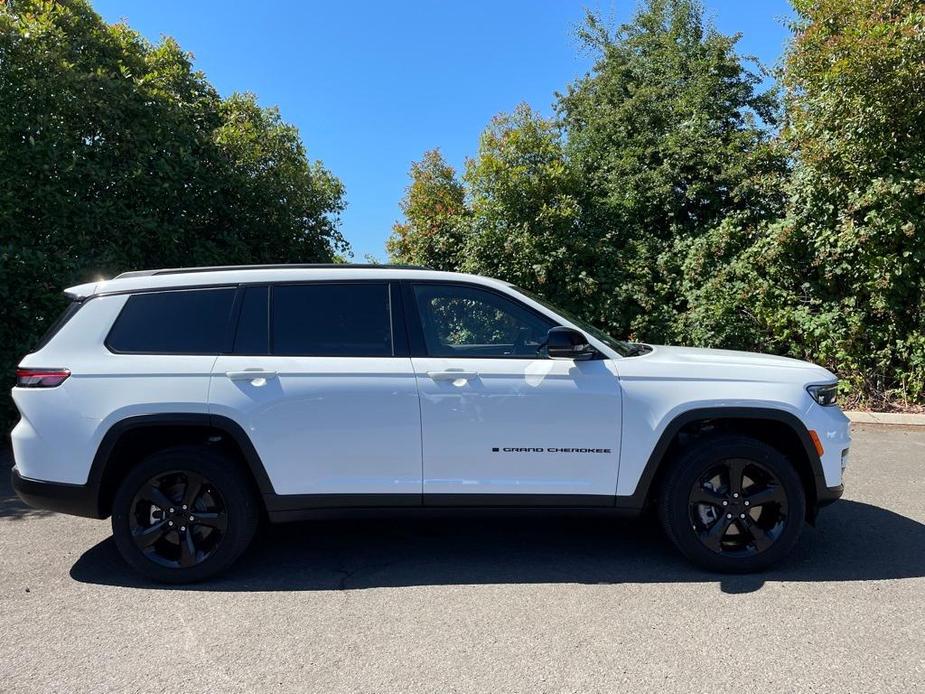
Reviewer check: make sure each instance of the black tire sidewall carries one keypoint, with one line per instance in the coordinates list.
(695, 462)
(224, 475)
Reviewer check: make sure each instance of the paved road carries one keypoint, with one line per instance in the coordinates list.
(537, 604)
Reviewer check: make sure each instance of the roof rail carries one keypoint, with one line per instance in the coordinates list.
(281, 266)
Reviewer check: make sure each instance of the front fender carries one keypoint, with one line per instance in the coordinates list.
(644, 452)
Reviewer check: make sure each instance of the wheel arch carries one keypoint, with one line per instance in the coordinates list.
(134, 436)
(778, 428)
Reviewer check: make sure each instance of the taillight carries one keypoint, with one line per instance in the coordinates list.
(41, 378)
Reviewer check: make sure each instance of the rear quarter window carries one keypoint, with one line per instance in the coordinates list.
(173, 322)
(53, 329)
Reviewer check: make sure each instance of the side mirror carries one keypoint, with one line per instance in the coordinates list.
(568, 343)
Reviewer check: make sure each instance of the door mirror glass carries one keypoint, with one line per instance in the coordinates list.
(568, 343)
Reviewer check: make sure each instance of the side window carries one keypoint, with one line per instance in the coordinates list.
(174, 322)
(253, 333)
(59, 323)
(331, 320)
(468, 322)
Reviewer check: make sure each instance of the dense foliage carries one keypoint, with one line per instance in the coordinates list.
(116, 155)
(839, 277)
(664, 203)
(669, 134)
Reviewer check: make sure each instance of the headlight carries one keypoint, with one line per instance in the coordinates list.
(825, 395)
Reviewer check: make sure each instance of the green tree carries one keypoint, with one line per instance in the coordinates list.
(436, 217)
(116, 154)
(669, 134)
(526, 213)
(841, 279)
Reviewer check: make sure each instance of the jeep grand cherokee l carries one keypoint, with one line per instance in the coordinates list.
(188, 403)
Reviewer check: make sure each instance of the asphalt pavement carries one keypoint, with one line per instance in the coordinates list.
(531, 603)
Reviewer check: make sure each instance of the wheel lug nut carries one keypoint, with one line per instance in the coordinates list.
(183, 528)
(170, 523)
(746, 503)
(725, 503)
(741, 515)
(184, 507)
(172, 510)
(192, 518)
(728, 515)
(734, 496)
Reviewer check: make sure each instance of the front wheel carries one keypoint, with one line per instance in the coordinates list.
(733, 504)
(183, 514)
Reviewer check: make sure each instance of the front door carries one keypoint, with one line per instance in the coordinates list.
(498, 417)
(325, 392)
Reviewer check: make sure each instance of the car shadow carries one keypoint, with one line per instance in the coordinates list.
(852, 541)
(12, 509)
(11, 506)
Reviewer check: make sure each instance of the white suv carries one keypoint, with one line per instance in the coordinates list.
(188, 403)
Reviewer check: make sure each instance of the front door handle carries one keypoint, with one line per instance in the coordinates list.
(250, 374)
(453, 375)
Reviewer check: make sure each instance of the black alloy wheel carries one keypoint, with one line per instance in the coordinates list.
(732, 503)
(184, 514)
(178, 519)
(738, 507)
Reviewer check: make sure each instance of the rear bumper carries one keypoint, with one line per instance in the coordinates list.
(74, 499)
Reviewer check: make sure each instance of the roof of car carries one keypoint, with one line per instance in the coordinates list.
(280, 266)
(170, 278)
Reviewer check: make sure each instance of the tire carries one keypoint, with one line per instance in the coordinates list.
(729, 531)
(163, 543)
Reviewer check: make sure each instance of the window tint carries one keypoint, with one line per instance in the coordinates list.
(180, 322)
(59, 323)
(349, 320)
(253, 323)
(468, 322)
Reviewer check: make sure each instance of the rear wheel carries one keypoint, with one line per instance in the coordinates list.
(183, 514)
(733, 504)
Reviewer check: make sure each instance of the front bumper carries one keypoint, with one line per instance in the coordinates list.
(829, 495)
(834, 431)
(74, 499)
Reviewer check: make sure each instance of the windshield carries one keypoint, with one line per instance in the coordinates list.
(624, 349)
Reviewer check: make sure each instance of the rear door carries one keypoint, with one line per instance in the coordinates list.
(321, 381)
(501, 422)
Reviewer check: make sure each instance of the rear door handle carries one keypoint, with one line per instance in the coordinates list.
(452, 375)
(250, 374)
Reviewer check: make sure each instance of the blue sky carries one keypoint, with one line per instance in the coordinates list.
(372, 85)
